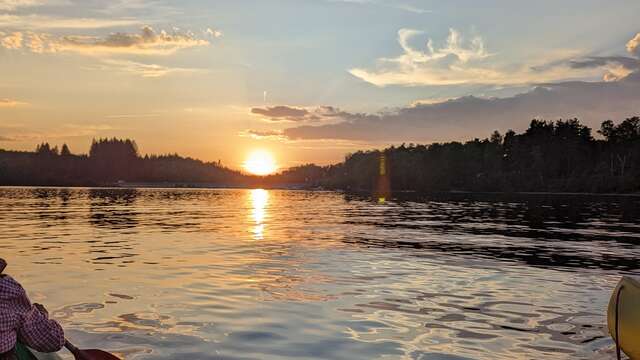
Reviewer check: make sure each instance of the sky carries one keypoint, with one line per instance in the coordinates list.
(307, 80)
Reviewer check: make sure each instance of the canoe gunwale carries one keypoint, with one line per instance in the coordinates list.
(623, 316)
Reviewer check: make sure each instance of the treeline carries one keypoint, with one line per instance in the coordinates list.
(109, 162)
(558, 156)
(562, 156)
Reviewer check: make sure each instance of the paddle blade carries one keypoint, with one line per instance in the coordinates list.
(91, 354)
(94, 354)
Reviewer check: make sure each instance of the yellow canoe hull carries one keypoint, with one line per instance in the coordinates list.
(626, 300)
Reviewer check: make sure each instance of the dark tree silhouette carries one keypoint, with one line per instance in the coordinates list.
(45, 149)
(114, 159)
(624, 143)
(548, 156)
(65, 150)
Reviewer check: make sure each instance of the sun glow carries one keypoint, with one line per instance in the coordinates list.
(260, 162)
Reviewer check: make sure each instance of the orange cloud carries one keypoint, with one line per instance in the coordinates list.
(633, 46)
(9, 103)
(147, 42)
(11, 41)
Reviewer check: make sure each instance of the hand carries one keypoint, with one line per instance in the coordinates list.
(41, 308)
(3, 264)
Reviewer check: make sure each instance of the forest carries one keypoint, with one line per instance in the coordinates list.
(560, 156)
(556, 156)
(111, 162)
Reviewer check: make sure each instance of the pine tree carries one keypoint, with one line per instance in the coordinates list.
(65, 150)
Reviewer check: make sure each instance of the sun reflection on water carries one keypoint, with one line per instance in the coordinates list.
(175, 272)
(259, 201)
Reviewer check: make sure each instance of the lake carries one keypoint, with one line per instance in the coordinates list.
(277, 274)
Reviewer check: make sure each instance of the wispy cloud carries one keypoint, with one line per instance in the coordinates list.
(150, 9)
(146, 42)
(118, 6)
(87, 129)
(213, 33)
(263, 134)
(389, 4)
(134, 116)
(144, 70)
(28, 134)
(298, 114)
(11, 5)
(281, 113)
(40, 22)
(462, 62)
(615, 67)
(411, 8)
(10, 103)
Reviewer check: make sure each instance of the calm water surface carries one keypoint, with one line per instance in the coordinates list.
(255, 274)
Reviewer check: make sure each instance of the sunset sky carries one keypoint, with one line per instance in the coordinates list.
(307, 80)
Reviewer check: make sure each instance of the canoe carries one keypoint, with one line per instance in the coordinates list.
(623, 316)
(24, 353)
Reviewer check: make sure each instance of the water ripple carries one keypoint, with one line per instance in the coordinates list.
(255, 274)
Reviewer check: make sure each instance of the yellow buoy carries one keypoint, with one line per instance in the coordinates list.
(623, 316)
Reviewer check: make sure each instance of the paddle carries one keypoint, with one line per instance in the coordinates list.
(90, 354)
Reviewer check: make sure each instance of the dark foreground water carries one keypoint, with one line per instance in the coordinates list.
(255, 274)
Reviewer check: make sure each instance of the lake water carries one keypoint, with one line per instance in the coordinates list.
(255, 274)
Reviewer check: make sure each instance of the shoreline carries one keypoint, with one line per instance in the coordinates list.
(315, 189)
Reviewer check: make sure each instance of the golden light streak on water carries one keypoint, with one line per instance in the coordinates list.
(259, 199)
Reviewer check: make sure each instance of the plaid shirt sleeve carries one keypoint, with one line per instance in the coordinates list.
(21, 320)
(41, 333)
(8, 335)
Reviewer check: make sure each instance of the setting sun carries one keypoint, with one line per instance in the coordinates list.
(260, 162)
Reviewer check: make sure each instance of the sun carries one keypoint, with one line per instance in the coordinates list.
(260, 162)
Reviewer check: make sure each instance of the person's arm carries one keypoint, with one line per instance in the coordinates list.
(35, 329)
(39, 332)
